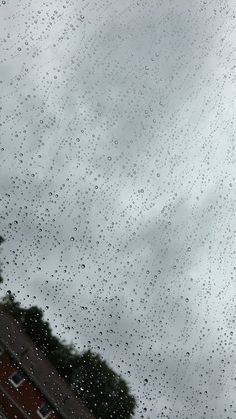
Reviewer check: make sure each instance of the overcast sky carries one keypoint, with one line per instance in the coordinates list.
(117, 178)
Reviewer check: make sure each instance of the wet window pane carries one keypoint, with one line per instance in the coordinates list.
(117, 206)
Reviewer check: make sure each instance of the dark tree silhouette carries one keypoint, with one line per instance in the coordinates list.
(100, 388)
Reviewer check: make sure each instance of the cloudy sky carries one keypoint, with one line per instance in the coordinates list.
(118, 191)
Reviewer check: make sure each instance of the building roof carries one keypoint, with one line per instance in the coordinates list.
(40, 370)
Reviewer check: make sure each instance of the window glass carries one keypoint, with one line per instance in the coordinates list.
(2, 415)
(17, 378)
(118, 205)
(45, 410)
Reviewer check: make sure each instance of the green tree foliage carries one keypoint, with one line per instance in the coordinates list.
(99, 386)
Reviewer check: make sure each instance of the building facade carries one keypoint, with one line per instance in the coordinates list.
(30, 387)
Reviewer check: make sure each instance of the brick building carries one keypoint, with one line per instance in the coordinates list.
(30, 387)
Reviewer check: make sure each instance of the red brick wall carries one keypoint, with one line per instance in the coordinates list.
(26, 398)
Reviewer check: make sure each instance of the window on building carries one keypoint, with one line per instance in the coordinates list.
(2, 415)
(45, 410)
(17, 378)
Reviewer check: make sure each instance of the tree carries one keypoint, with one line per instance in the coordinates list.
(100, 388)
